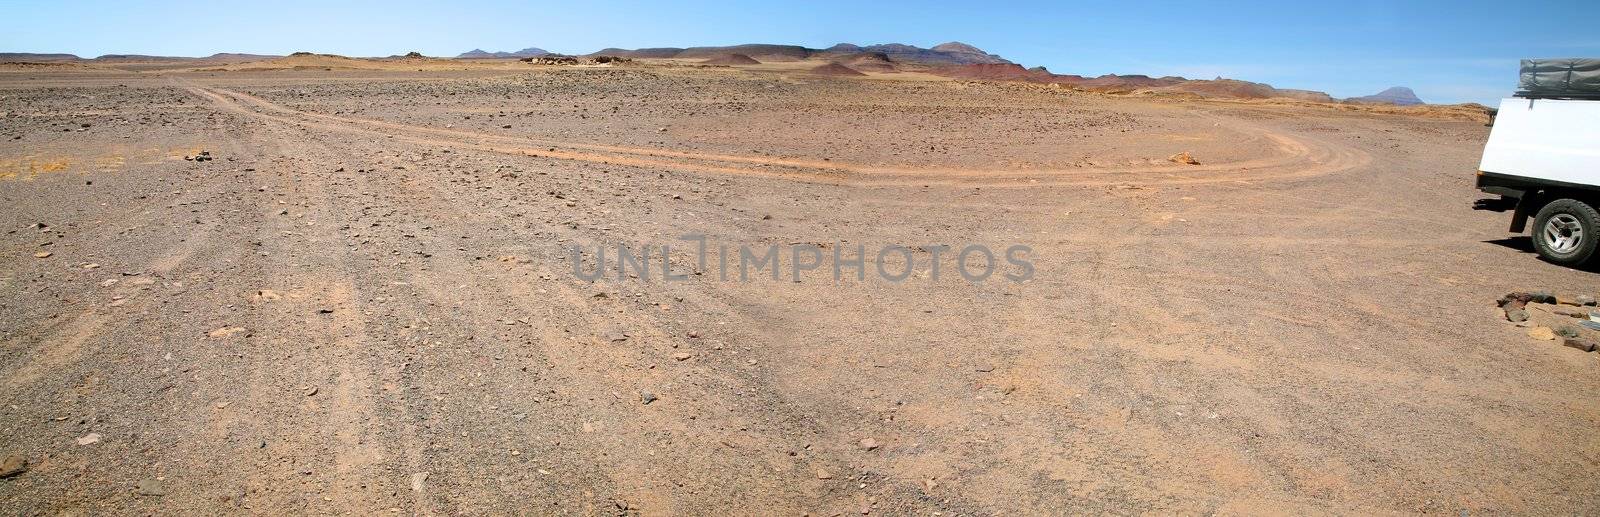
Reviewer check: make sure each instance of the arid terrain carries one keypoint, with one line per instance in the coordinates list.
(318, 290)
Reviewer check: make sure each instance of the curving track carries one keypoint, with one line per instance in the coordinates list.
(1294, 156)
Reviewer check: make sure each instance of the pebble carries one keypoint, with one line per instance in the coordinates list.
(869, 444)
(416, 481)
(823, 474)
(225, 332)
(88, 438)
(985, 367)
(682, 356)
(13, 465)
(647, 397)
(151, 487)
(42, 254)
(1183, 158)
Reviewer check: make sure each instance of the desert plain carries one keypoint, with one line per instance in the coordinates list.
(313, 290)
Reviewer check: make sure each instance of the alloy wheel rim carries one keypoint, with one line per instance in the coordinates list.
(1563, 233)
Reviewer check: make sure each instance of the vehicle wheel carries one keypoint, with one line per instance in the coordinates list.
(1565, 232)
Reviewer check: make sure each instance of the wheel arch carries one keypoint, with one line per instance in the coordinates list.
(1534, 200)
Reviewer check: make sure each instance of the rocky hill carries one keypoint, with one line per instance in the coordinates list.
(30, 57)
(483, 54)
(218, 58)
(1113, 83)
(953, 53)
(1399, 96)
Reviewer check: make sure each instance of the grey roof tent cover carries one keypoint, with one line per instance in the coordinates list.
(1577, 77)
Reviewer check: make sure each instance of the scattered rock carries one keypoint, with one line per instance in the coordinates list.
(1582, 315)
(1567, 331)
(646, 397)
(13, 466)
(1516, 315)
(985, 367)
(416, 481)
(616, 336)
(1543, 333)
(225, 332)
(869, 444)
(89, 439)
(682, 356)
(1514, 300)
(151, 487)
(1584, 300)
(42, 254)
(1183, 158)
(1580, 344)
(823, 474)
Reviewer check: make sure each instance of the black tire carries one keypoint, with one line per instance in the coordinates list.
(1548, 240)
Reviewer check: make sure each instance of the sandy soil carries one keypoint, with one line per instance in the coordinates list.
(362, 303)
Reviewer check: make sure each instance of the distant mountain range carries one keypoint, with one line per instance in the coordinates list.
(482, 54)
(953, 53)
(217, 58)
(1399, 95)
(1113, 83)
(954, 59)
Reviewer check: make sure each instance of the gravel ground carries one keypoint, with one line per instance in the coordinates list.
(364, 302)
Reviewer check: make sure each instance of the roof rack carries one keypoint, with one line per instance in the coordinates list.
(1561, 78)
(1569, 95)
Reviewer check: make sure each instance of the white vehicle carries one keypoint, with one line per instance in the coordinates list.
(1544, 153)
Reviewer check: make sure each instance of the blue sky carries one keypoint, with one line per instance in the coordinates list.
(1448, 51)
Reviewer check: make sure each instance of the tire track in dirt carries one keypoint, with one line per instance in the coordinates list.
(64, 345)
(1296, 157)
(308, 381)
(573, 341)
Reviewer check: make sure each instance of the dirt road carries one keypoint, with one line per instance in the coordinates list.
(364, 303)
